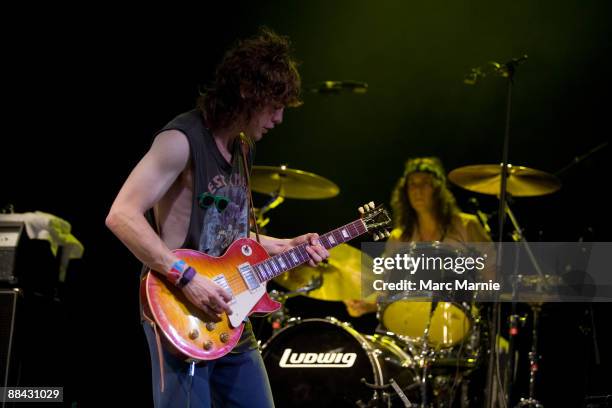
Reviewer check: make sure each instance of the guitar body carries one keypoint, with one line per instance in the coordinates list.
(243, 272)
(186, 329)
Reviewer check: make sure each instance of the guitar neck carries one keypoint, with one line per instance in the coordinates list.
(292, 258)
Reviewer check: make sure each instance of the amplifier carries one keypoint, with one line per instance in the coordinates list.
(24, 262)
(10, 237)
(10, 311)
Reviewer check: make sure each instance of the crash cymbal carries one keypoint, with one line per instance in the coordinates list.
(292, 183)
(521, 181)
(341, 275)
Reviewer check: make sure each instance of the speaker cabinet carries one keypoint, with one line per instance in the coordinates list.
(10, 311)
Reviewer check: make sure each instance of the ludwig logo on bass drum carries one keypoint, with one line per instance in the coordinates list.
(317, 360)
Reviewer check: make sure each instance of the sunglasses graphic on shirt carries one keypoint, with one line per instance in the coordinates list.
(207, 199)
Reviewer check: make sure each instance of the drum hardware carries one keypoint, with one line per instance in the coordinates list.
(260, 213)
(279, 319)
(515, 181)
(515, 322)
(533, 360)
(541, 283)
(427, 354)
(386, 396)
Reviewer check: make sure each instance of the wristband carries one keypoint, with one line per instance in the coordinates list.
(177, 270)
(186, 277)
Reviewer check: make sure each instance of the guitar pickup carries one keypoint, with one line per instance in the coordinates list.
(248, 275)
(221, 281)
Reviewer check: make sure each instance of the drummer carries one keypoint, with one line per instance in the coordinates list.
(424, 209)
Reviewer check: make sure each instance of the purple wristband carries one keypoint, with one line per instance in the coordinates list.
(186, 277)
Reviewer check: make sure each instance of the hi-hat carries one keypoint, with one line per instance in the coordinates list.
(291, 183)
(341, 275)
(521, 181)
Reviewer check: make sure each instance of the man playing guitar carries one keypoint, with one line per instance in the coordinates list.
(191, 191)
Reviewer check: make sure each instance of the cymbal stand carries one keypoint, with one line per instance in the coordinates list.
(533, 360)
(275, 200)
(518, 236)
(425, 356)
(541, 284)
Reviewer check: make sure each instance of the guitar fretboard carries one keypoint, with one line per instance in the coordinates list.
(276, 265)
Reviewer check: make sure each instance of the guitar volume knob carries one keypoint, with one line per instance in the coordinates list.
(210, 326)
(208, 345)
(194, 334)
(224, 337)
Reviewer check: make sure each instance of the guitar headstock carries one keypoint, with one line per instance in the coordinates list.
(376, 220)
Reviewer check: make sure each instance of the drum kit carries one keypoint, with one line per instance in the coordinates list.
(421, 354)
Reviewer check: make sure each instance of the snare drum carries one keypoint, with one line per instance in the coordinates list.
(326, 363)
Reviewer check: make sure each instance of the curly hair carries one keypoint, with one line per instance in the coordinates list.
(256, 72)
(445, 206)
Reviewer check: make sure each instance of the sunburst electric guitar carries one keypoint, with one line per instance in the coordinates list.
(243, 272)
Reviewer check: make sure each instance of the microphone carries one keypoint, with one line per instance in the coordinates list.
(334, 87)
(493, 68)
(482, 217)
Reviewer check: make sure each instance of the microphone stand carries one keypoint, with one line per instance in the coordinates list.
(493, 368)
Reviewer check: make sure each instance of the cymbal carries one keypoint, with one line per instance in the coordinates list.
(521, 181)
(292, 183)
(341, 275)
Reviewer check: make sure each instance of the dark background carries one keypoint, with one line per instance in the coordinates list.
(85, 89)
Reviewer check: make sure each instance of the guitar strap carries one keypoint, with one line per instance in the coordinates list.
(160, 355)
(244, 149)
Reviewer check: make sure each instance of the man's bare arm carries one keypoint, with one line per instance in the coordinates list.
(146, 185)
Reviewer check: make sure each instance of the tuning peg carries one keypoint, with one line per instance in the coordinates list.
(375, 236)
(366, 207)
(371, 204)
(361, 210)
(387, 234)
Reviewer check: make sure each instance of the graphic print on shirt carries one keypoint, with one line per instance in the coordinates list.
(221, 228)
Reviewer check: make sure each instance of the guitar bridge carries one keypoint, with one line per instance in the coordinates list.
(248, 275)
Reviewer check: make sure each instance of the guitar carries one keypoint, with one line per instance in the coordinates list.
(243, 272)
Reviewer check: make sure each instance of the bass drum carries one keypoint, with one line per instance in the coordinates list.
(449, 325)
(407, 314)
(326, 363)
